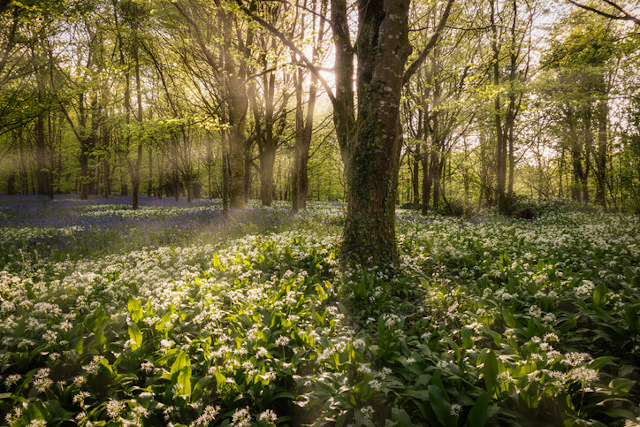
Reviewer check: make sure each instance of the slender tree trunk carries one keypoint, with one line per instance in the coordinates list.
(426, 181)
(44, 181)
(436, 168)
(136, 178)
(237, 104)
(588, 144)
(299, 124)
(601, 155)
(560, 173)
(300, 187)
(248, 159)
(344, 105)
(269, 143)
(150, 183)
(501, 146)
(267, 162)
(415, 177)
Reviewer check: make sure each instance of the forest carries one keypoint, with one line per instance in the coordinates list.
(320, 212)
(233, 101)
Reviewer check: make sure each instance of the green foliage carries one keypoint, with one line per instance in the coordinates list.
(495, 321)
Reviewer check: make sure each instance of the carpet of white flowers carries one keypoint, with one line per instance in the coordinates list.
(252, 320)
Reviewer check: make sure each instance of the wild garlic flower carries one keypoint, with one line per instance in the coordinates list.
(375, 384)
(268, 416)
(12, 379)
(209, 414)
(241, 418)
(455, 409)
(42, 381)
(367, 412)
(584, 375)
(80, 397)
(114, 407)
(282, 340)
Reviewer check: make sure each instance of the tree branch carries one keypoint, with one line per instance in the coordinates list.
(430, 45)
(625, 15)
(290, 45)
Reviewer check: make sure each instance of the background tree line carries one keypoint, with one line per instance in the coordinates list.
(251, 99)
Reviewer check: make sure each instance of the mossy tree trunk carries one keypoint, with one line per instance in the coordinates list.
(373, 154)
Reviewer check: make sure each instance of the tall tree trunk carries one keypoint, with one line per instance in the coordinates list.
(150, 184)
(415, 177)
(269, 142)
(436, 174)
(426, 181)
(236, 106)
(267, 162)
(560, 173)
(302, 150)
(501, 146)
(588, 144)
(344, 105)
(248, 160)
(383, 48)
(299, 125)
(601, 155)
(44, 169)
(300, 187)
(135, 177)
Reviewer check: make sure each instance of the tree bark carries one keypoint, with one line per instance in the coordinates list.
(237, 105)
(372, 164)
(601, 155)
(135, 177)
(415, 177)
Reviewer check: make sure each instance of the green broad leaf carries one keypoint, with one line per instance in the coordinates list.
(322, 295)
(478, 414)
(136, 336)
(600, 362)
(37, 411)
(508, 318)
(490, 371)
(417, 394)
(165, 321)
(77, 344)
(124, 379)
(216, 260)
(439, 401)
(623, 385)
(599, 296)
(467, 341)
(400, 417)
(284, 395)
(182, 361)
(288, 253)
(199, 388)
(620, 413)
(135, 308)
(184, 380)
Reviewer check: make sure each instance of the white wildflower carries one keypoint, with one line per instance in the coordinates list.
(114, 407)
(455, 409)
(268, 417)
(367, 412)
(282, 340)
(241, 418)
